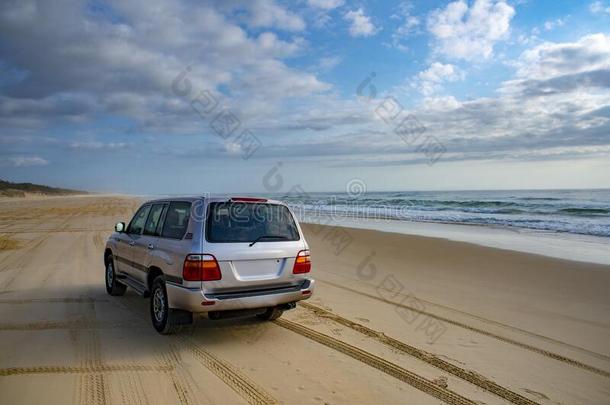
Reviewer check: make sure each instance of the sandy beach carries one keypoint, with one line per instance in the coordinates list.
(395, 319)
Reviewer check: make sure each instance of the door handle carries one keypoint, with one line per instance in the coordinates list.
(132, 242)
(151, 246)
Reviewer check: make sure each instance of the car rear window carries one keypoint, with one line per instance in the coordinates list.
(247, 222)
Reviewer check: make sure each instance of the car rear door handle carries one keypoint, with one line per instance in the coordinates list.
(132, 242)
(151, 246)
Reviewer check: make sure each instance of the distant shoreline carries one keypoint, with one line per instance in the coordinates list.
(23, 190)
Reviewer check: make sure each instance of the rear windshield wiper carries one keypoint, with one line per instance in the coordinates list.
(267, 237)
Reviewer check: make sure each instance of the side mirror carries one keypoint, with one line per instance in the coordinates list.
(120, 227)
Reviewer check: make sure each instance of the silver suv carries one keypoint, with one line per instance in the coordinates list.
(222, 256)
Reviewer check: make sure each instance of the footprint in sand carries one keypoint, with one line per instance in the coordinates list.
(536, 394)
(470, 343)
(441, 382)
(336, 332)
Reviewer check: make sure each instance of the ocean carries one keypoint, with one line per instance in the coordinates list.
(584, 212)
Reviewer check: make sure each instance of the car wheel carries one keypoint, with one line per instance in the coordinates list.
(113, 286)
(165, 320)
(270, 314)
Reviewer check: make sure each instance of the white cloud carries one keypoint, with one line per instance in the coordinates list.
(233, 149)
(26, 161)
(470, 33)
(409, 25)
(96, 145)
(265, 13)
(78, 66)
(325, 4)
(558, 104)
(360, 24)
(599, 7)
(442, 103)
(88, 64)
(430, 80)
(562, 68)
(548, 60)
(559, 107)
(438, 72)
(270, 42)
(552, 24)
(328, 63)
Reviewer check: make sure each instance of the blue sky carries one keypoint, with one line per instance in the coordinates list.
(222, 96)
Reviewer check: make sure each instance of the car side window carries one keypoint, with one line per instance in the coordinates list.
(176, 220)
(137, 222)
(150, 228)
(162, 219)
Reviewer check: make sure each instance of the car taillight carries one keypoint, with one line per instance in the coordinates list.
(201, 268)
(302, 263)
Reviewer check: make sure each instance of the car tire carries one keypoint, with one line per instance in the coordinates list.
(270, 314)
(113, 286)
(165, 320)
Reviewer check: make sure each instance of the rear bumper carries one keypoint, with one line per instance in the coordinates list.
(193, 300)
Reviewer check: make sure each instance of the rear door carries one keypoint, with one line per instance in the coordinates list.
(171, 247)
(255, 245)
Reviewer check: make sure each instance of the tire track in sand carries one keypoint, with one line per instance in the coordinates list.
(130, 387)
(62, 230)
(93, 387)
(181, 387)
(98, 240)
(21, 254)
(526, 346)
(227, 373)
(55, 300)
(73, 324)
(492, 322)
(31, 245)
(103, 368)
(467, 375)
(237, 381)
(394, 370)
(24, 257)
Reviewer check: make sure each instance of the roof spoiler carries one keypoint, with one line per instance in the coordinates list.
(248, 199)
